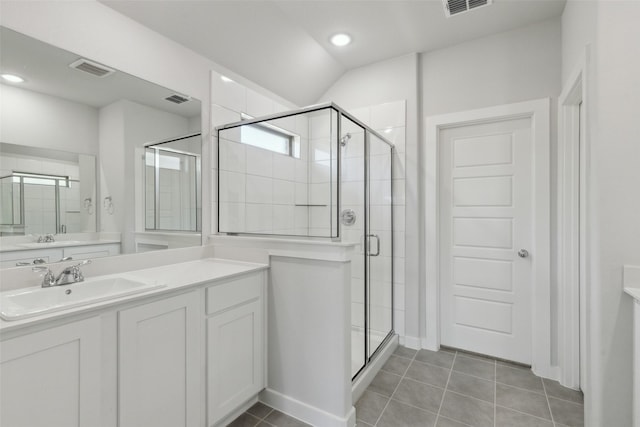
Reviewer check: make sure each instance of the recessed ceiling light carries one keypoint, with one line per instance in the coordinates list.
(340, 39)
(225, 79)
(13, 78)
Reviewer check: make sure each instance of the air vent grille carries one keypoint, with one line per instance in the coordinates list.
(177, 99)
(456, 7)
(93, 68)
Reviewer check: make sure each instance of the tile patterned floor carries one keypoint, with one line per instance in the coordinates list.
(450, 389)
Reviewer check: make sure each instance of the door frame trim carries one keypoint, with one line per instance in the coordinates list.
(572, 236)
(539, 113)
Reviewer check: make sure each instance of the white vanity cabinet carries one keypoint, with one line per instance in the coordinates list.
(159, 376)
(188, 356)
(54, 254)
(52, 377)
(235, 344)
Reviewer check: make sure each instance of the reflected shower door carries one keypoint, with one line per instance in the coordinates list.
(379, 242)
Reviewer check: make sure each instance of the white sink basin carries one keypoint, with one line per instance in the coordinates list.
(29, 302)
(42, 245)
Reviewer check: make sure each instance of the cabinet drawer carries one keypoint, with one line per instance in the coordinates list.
(234, 292)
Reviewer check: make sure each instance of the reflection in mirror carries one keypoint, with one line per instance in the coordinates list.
(70, 135)
(45, 191)
(172, 177)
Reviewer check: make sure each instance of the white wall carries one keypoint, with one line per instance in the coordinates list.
(38, 120)
(508, 67)
(613, 198)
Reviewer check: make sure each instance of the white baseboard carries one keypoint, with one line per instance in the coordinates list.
(410, 342)
(304, 412)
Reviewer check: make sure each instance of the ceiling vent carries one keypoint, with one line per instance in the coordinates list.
(177, 99)
(93, 68)
(456, 7)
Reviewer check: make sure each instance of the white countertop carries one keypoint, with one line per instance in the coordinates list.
(53, 245)
(174, 277)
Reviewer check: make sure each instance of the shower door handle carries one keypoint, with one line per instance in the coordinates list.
(377, 245)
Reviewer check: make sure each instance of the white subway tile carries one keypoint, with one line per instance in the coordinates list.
(232, 156)
(284, 167)
(259, 189)
(284, 192)
(257, 104)
(228, 94)
(222, 116)
(232, 187)
(258, 219)
(232, 217)
(283, 218)
(259, 161)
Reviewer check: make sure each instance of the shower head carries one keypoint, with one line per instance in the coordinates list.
(344, 139)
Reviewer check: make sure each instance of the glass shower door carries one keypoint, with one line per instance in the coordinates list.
(379, 239)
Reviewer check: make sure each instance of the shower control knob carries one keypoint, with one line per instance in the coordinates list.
(523, 253)
(348, 217)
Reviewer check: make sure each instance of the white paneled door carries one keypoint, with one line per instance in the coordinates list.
(486, 194)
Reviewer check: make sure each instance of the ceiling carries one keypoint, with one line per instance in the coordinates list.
(283, 45)
(46, 70)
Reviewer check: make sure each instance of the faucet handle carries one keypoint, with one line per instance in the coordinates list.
(48, 279)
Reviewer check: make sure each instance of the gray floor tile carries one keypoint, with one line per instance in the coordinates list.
(370, 406)
(260, 410)
(360, 423)
(508, 418)
(447, 422)
(429, 374)
(439, 358)
(405, 352)
(245, 420)
(567, 413)
(472, 386)
(418, 394)
(554, 389)
(522, 400)
(385, 383)
(467, 410)
(398, 414)
(265, 424)
(397, 365)
(280, 419)
(475, 367)
(519, 378)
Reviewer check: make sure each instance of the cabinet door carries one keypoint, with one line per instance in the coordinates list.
(159, 363)
(92, 251)
(52, 378)
(235, 358)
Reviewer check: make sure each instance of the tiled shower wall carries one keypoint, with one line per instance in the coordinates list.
(388, 119)
(259, 188)
(258, 206)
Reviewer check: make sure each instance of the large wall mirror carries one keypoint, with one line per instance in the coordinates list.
(90, 155)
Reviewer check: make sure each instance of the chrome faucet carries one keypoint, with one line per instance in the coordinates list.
(69, 275)
(47, 238)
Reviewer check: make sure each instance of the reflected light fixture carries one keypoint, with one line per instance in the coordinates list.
(340, 39)
(225, 79)
(12, 78)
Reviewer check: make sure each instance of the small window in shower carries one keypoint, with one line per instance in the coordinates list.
(270, 137)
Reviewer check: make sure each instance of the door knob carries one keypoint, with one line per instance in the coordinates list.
(523, 253)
